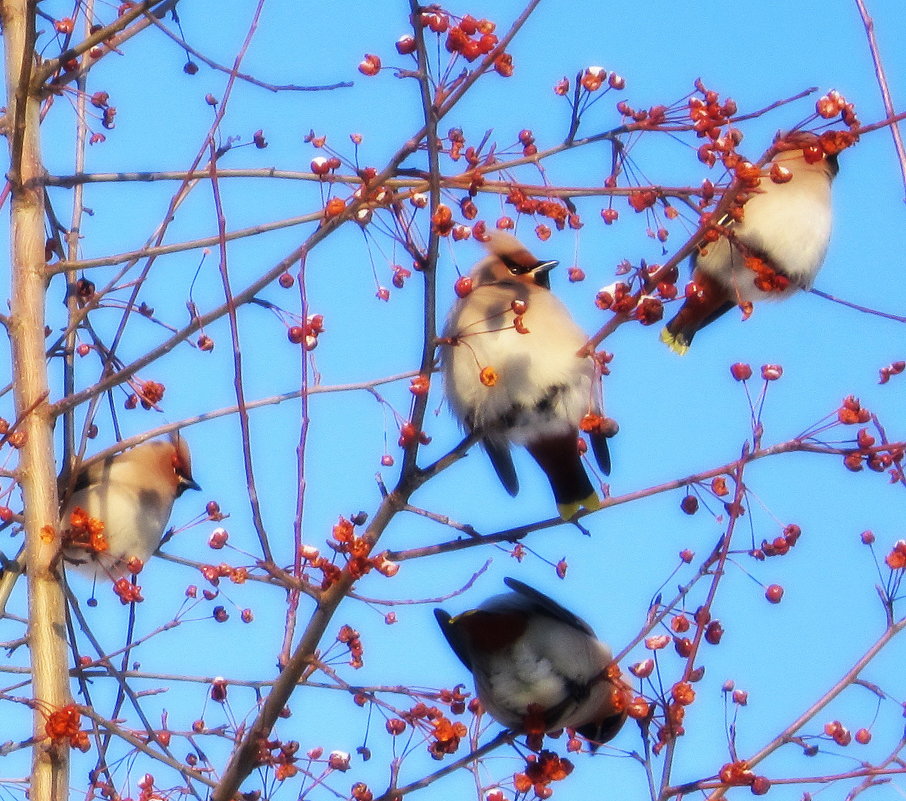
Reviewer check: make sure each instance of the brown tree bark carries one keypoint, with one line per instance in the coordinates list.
(37, 469)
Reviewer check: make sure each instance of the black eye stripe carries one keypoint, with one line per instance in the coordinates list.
(515, 267)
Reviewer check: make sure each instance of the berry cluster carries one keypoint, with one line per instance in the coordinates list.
(64, 725)
(540, 771)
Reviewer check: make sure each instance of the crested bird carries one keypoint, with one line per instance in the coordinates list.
(126, 499)
(513, 374)
(776, 248)
(537, 667)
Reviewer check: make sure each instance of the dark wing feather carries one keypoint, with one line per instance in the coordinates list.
(544, 605)
(91, 475)
(448, 627)
(602, 731)
(499, 454)
(601, 451)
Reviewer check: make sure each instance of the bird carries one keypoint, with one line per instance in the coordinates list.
(537, 667)
(126, 499)
(776, 248)
(513, 374)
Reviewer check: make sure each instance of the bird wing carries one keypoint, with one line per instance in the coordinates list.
(544, 605)
(604, 730)
(89, 476)
(601, 451)
(499, 454)
(448, 627)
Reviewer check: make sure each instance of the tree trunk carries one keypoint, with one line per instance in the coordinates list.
(46, 631)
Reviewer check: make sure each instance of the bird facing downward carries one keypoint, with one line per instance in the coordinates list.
(777, 247)
(513, 375)
(537, 667)
(131, 494)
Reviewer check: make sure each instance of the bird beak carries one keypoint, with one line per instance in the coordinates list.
(186, 484)
(541, 271)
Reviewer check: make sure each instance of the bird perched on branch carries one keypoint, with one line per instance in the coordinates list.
(513, 373)
(537, 667)
(776, 248)
(119, 507)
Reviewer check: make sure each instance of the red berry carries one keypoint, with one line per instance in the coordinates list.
(863, 736)
(296, 334)
(463, 286)
(771, 372)
(370, 64)
(680, 624)
(218, 538)
(741, 371)
(642, 669)
(286, 280)
(666, 290)
(405, 45)
(683, 646)
(760, 785)
(395, 726)
(714, 632)
(774, 593)
(469, 25)
(689, 504)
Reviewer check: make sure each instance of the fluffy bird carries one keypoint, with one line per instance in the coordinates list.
(537, 667)
(775, 249)
(513, 375)
(131, 494)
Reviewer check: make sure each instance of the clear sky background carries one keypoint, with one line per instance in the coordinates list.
(678, 416)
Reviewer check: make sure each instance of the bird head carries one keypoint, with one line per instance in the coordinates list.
(511, 262)
(803, 150)
(181, 461)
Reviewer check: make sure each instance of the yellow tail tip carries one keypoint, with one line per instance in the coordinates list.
(568, 510)
(675, 342)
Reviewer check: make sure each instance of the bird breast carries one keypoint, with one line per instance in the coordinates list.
(788, 223)
(549, 667)
(134, 519)
(542, 387)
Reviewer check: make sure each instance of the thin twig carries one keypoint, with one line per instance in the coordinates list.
(869, 24)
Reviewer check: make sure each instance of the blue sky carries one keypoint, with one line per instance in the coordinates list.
(678, 416)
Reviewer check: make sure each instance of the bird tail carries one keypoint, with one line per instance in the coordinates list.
(701, 308)
(601, 731)
(678, 342)
(591, 503)
(559, 458)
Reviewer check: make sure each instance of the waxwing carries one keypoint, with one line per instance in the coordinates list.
(131, 494)
(513, 374)
(776, 248)
(537, 667)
